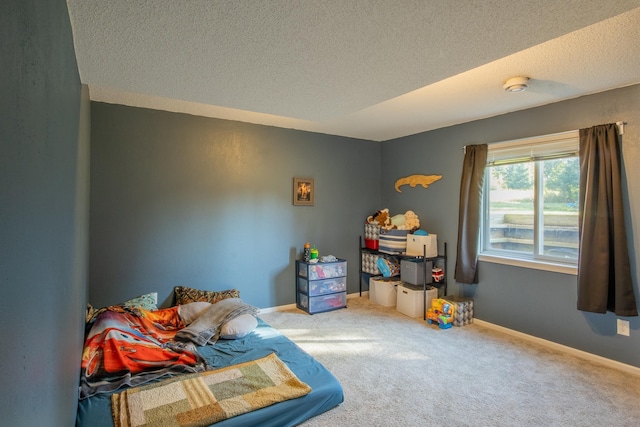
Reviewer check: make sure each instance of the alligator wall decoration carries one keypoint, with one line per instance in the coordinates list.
(413, 180)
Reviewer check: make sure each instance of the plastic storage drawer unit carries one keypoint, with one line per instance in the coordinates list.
(321, 286)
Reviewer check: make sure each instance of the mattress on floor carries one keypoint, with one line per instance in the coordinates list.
(326, 390)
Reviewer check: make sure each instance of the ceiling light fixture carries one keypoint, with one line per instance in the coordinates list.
(516, 84)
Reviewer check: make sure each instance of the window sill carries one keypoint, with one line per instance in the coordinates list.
(527, 263)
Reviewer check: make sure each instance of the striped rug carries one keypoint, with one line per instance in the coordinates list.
(205, 398)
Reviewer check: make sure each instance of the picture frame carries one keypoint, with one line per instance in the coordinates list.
(304, 191)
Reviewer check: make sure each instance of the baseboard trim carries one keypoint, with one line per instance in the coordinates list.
(291, 306)
(560, 347)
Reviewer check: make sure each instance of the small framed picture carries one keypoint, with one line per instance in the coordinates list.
(303, 191)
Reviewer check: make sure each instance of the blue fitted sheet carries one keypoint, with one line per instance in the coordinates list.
(326, 389)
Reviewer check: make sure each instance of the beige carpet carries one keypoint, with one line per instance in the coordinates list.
(399, 371)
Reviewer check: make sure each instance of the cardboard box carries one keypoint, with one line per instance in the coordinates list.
(411, 300)
(416, 244)
(384, 290)
(412, 271)
(463, 307)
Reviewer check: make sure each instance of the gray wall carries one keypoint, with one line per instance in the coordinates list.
(185, 200)
(538, 303)
(44, 142)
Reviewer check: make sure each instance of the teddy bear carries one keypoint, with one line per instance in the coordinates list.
(412, 222)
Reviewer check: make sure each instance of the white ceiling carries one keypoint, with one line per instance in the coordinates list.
(371, 69)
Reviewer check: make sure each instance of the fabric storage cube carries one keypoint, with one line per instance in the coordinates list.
(463, 314)
(393, 241)
(385, 290)
(372, 288)
(369, 263)
(412, 271)
(416, 245)
(410, 300)
(371, 236)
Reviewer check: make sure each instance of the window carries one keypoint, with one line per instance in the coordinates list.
(530, 206)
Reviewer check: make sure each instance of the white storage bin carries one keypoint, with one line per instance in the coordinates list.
(372, 288)
(410, 300)
(416, 245)
(384, 290)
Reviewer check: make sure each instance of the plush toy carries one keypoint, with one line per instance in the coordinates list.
(381, 218)
(398, 221)
(412, 222)
(406, 221)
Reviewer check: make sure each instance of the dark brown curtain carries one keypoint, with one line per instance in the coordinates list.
(475, 162)
(604, 275)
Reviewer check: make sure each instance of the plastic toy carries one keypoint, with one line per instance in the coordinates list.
(441, 312)
(437, 274)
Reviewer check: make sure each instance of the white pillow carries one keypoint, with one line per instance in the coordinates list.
(191, 311)
(238, 327)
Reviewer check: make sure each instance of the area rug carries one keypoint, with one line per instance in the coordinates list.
(205, 398)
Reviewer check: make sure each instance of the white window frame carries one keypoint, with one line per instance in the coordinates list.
(546, 147)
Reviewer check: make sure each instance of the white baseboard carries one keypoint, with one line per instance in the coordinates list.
(566, 349)
(278, 308)
(290, 306)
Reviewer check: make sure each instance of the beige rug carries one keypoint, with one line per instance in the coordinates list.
(208, 397)
(400, 371)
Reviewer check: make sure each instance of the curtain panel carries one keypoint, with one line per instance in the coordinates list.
(604, 274)
(470, 212)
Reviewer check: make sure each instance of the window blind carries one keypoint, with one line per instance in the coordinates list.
(546, 147)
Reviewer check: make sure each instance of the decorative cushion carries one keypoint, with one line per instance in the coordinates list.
(238, 327)
(146, 302)
(190, 311)
(184, 295)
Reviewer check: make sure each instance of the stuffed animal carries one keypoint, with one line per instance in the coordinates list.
(412, 222)
(406, 221)
(398, 221)
(381, 218)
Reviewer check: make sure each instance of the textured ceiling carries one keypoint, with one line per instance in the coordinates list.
(372, 69)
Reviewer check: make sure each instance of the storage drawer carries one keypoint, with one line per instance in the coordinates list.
(322, 270)
(321, 303)
(322, 287)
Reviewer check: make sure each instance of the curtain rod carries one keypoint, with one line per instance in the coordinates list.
(620, 125)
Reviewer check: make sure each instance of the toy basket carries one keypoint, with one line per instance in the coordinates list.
(371, 236)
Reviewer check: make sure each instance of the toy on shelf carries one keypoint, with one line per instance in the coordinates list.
(437, 274)
(441, 312)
